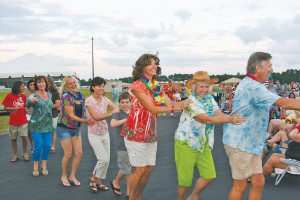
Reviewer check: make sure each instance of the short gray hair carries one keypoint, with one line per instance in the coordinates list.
(256, 59)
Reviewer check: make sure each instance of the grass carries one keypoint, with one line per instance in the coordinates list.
(4, 119)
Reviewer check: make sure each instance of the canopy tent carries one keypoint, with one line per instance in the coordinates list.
(232, 80)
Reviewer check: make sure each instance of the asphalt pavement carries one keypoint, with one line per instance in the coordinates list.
(17, 182)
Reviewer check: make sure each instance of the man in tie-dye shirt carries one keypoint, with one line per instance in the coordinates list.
(244, 144)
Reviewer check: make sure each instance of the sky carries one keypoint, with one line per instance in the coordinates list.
(192, 35)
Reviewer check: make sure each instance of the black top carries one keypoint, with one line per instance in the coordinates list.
(293, 151)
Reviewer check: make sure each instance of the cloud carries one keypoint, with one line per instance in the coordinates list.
(183, 14)
(62, 61)
(119, 40)
(271, 28)
(149, 33)
(12, 10)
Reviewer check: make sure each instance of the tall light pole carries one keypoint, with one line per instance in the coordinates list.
(93, 57)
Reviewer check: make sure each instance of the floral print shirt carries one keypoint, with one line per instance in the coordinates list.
(141, 125)
(67, 100)
(100, 127)
(253, 101)
(194, 133)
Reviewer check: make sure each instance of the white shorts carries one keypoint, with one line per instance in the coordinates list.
(54, 122)
(141, 154)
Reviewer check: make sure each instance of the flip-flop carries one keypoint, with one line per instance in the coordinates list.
(114, 189)
(65, 183)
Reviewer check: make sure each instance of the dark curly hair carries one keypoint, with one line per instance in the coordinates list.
(142, 62)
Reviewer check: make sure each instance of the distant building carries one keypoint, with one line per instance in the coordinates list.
(8, 79)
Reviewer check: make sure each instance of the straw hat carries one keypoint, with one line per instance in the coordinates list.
(200, 76)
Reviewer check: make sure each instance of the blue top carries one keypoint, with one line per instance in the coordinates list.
(253, 101)
(115, 91)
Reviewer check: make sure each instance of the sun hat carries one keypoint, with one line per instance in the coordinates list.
(200, 76)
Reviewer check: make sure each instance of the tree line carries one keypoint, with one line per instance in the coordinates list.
(290, 75)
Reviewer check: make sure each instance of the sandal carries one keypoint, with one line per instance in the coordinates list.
(14, 158)
(26, 157)
(35, 172)
(44, 171)
(65, 183)
(74, 182)
(115, 190)
(102, 187)
(93, 186)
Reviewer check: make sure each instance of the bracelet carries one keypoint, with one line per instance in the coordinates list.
(172, 109)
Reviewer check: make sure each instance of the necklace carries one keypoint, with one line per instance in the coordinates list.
(155, 89)
(78, 98)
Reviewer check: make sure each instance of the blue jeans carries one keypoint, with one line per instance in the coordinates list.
(42, 142)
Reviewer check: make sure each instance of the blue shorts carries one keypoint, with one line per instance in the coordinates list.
(63, 133)
(279, 149)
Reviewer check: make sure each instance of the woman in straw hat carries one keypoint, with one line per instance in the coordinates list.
(194, 136)
(140, 130)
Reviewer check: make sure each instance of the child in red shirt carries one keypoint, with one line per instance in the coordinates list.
(15, 103)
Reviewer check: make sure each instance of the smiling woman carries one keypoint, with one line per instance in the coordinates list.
(194, 136)
(140, 130)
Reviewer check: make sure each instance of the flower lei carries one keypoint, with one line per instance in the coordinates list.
(155, 89)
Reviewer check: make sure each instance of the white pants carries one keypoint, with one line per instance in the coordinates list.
(101, 147)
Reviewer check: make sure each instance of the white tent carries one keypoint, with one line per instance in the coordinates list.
(232, 80)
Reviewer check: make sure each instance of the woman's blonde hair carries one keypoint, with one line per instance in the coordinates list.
(65, 83)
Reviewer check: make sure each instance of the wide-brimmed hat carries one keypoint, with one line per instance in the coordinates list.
(200, 76)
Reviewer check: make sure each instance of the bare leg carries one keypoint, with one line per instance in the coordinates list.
(116, 181)
(77, 146)
(257, 186)
(199, 187)
(67, 147)
(143, 182)
(274, 161)
(134, 181)
(24, 143)
(128, 176)
(237, 190)
(181, 192)
(276, 138)
(53, 140)
(14, 144)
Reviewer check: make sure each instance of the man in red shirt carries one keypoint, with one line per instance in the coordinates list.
(15, 103)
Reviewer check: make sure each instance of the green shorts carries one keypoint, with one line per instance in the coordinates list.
(186, 158)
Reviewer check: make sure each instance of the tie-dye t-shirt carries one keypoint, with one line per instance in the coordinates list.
(253, 101)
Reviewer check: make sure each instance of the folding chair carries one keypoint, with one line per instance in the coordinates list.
(289, 162)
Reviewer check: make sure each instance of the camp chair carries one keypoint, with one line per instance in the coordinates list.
(290, 162)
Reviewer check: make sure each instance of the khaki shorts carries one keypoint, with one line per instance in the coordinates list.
(15, 130)
(243, 164)
(141, 154)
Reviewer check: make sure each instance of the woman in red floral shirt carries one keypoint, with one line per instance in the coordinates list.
(140, 129)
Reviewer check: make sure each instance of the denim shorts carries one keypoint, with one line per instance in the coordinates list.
(63, 133)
